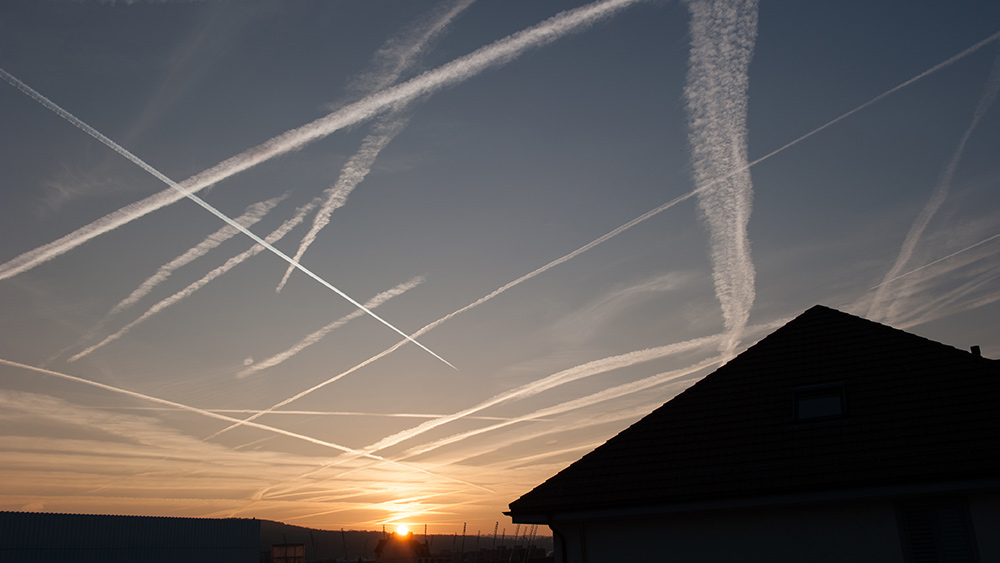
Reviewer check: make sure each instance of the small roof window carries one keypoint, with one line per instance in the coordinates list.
(820, 402)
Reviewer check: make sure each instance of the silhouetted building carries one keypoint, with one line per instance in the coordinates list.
(832, 439)
(84, 538)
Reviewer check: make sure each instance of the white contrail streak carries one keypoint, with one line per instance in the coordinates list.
(495, 54)
(223, 417)
(617, 231)
(722, 41)
(50, 252)
(352, 174)
(400, 53)
(579, 403)
(188, 291)
(251, 216)
(318, 335)
(390, 61)
(561, 378)
(316, 413)
(879, 310)
(939, 260)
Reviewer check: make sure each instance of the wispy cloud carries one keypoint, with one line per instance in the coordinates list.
(883, 307)
(722, 41)
(496, 54)
(318, 335)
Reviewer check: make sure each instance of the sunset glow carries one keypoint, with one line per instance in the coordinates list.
(584, 206)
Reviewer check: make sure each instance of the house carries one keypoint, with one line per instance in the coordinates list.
(832, 439)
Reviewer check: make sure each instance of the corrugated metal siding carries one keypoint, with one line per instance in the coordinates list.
(38, 537)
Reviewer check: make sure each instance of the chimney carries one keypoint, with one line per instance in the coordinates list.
(976, 351)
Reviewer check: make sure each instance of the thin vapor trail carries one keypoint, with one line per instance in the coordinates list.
(49, 251)
(640, 219)
(217, 416)
(188, 291)
(398, 54)
(589, 400)
(879, 310)
(318, 413)
(251, 215)
(567, 406)
(254, 213)
(493, 55)
(942, 259)
(723, 33)
(401, 53)
(352, 174)
(561, 378)
(318, 335)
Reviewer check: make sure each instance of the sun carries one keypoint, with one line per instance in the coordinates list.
(402, 530)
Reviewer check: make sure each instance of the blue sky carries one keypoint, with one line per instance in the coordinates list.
(461, 157)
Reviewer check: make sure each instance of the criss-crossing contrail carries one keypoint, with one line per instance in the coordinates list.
(352, 174)
(723, 33)
(254, 213)
(395, 56)
(493, 55)
(214, 274)
(939, 260)
(319, 334)
(561, 378)
(218, 416)
(574, 404)
(879, 309)
(628, 225)
(183, 192)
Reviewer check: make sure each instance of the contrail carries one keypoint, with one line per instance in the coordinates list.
(318, 335)
(495, 54)
(940, 193)
(316, 413)
(561, 378)
(395, 56)
(400, 53)
(352, 174)
(251, 216)
(617, 231)
(561, 408)
(223, 417)
(722, 42)
(572, 374)
(942, 259)
(254, 250)
(181, 191)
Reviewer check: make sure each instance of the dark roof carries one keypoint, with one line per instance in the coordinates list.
(917, 412)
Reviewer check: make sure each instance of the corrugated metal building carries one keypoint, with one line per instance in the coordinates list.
(43, 538)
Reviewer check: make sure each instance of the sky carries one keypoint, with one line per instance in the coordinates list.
(353, 263)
